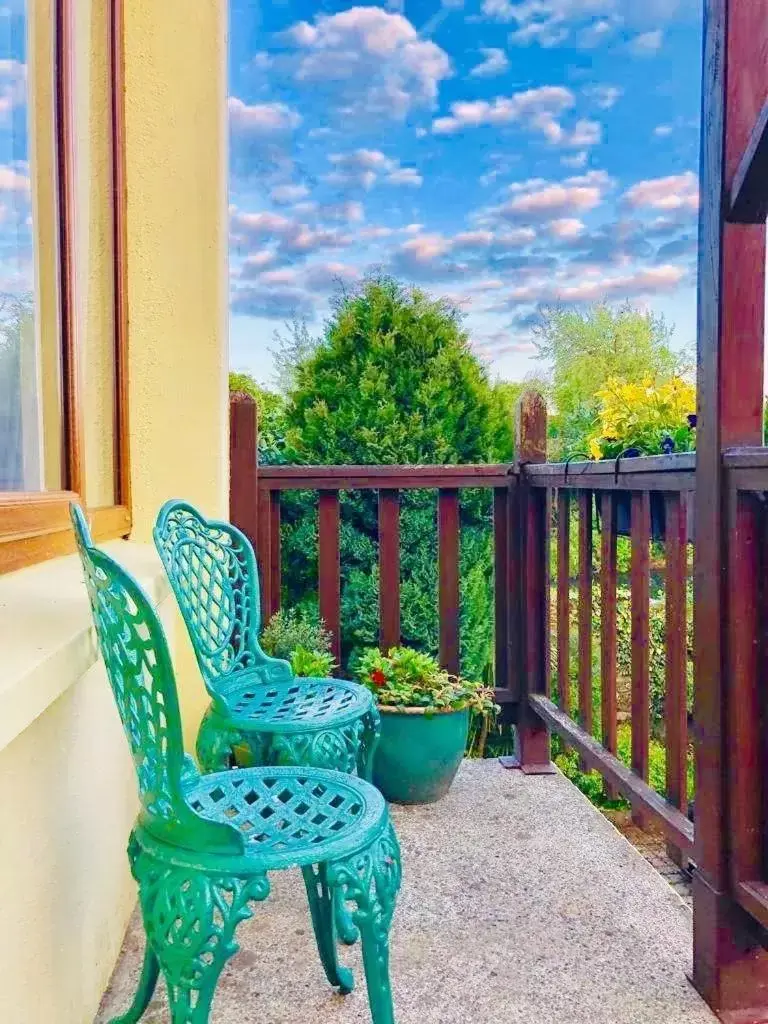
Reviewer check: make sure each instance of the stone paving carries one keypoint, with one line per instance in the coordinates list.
(521, 904)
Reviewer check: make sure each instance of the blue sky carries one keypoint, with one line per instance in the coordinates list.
(505, 153)
(16, 262)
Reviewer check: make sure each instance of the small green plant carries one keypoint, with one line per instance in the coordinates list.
(409, 679)
(318, 664)
(289, 630)
(300, 639)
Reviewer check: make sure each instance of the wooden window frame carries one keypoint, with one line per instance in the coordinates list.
(35, 526)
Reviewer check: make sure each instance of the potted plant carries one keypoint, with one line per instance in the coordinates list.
(425, 717)
(643, 419)
(297, 637)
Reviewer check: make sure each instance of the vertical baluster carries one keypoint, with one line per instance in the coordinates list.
(675, 702)
(563, 600)
(264, 549)
(389, 569)
(500, 590)
(585, 610)
(608, 624)
(448, 549)
(640, 588)
(329, 568)
(275, 556)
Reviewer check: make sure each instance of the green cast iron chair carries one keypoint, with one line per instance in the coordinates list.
(203, 846)
(260, 711)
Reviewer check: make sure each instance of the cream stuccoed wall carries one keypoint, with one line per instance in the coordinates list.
(67, 793)
(67, 790)
(176, 166)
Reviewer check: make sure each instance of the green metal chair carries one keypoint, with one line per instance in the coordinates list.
(260, 712)
(203, 846)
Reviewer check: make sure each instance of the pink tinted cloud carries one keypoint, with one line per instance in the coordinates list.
(536, 108)
(675, 192)
(262, 119)
(369, 61)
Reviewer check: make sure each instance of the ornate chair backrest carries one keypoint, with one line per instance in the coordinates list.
(140, 672)
(212, 569)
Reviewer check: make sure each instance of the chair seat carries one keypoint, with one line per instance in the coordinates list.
(298, 705)
(292, 816)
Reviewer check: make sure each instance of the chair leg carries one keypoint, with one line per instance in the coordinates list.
(213, 747)
(323, 907)
(145, 990)
(371, 880)
(370, 741)
(345, 926)
(190, 919)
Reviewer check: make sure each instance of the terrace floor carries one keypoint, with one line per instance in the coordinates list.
(521, 904)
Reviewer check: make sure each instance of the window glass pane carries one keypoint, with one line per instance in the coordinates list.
(31, 435)
(94, 246)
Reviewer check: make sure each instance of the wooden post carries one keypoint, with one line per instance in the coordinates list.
(389, 568)
(531, 593)
(329, 568)
(448, 555)
(730, 967)
(243, 464)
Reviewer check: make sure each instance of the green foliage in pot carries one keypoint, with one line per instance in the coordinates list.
(300, 639)
(409, 679)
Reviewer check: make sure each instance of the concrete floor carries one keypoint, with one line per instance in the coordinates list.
(521, 904)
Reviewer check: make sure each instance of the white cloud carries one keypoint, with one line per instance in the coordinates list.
(566, 227)
(294, 238)
(479, 239)
(12, 180)
(262, 119)
(369, 62)
(596, 33)
(537, 199)
(537, 109)
(404, 176)
(663, 130)
(425, 249)
(648, 280)
(647, 43)
(326, 277)
(495, 62)
(551, 22)
(576, 160)
(363, 168)
(256, 263)
(585, 133)
(285, 195)
(283, 277)
(675, 192)
(604, 96)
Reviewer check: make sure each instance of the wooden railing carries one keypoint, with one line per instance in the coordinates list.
(534, 503)
(256, 508)
(630, 491)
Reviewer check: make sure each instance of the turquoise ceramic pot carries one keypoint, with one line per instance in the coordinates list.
(419, 753)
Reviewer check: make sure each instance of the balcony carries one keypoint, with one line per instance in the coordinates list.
(520, 903)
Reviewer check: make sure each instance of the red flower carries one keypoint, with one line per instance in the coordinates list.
(378, 677)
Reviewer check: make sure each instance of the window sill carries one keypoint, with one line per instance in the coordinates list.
(46, 634)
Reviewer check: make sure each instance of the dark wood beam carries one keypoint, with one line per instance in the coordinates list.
(749, 191)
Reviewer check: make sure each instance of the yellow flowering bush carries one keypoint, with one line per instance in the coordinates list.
(648, 417)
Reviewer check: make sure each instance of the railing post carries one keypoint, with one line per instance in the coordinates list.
(730, 966)
(531, 591)
(243, 464)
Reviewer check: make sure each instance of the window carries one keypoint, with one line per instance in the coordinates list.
(62, 329)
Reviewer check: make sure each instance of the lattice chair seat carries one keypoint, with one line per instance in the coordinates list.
(289, 817)
(300, 704)
(202, 846)
(260, 713)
